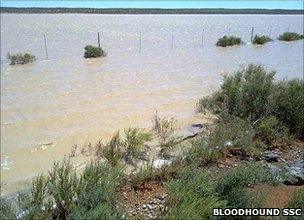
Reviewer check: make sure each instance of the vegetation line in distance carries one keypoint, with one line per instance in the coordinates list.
(38, 10)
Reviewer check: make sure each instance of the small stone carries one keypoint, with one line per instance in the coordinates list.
(271, 156)
(151, 206)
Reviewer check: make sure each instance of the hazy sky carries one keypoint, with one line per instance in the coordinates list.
(283, 4)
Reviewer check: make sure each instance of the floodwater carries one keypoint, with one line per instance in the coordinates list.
(161, 63)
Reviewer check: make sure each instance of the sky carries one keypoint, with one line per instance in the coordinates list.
(270, 4)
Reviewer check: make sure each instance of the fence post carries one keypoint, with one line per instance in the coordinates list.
(202, 37)
(45, 47)
(252, 31)
(98, 39)
(172, 40)
(140, 41)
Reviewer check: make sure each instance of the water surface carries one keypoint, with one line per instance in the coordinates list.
(161, 63)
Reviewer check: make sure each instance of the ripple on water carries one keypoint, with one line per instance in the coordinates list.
(6, 163)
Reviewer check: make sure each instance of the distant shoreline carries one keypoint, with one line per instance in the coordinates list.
(12, 10)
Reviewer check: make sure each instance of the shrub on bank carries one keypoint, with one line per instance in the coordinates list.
(64, 195)
(93, 52)
(128, 148)
(192, 195)
(290, 36)
(97, 193)
(201, 154)
(261, 39)
(21, 58)
(231, 186)
(197, 192)
(134, 142)
(252, 94)
(113, 150)
(290, 109)
(7, 211)
(228, 41)
(298, 200)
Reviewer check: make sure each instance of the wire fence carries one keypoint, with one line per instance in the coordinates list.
(61, 45)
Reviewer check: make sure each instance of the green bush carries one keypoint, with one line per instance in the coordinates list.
(164, 129)
(63, 184)
(231, 131)
(252, 94)
(227, 134)
(7, 212)
(201, 154)
(298, 200)
(134, 142)
(92, 52)
(145, 173)
(231, 187)
(270, 129)
(192, 195)
(290, 36)
(96, 193)
(20, 58)
(64, 195)
(290, 110)
(228, 41)
(113, 150)
(261, 39)
(196, 192)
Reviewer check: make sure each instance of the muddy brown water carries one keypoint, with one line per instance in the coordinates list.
(54, 103)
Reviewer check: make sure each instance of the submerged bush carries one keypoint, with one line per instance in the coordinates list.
(20, 58)
(261, 39)
(92, 52)
(290, 36)
(228, 41)
(252, 94)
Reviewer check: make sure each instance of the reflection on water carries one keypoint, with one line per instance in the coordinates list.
(51, 104)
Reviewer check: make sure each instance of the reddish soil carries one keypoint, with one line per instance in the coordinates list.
(275, 196)
(147, 191)
(268, 196)
(129, 198)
